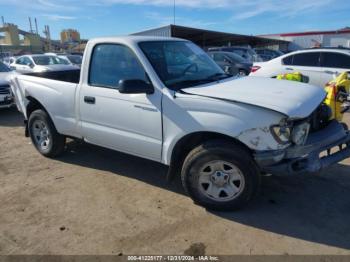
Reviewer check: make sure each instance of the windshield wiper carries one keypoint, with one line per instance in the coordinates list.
(190, 83)
(218, 76)
(193, 82)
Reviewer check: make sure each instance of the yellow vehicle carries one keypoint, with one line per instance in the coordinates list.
(296, 76)
(338, 95)
(338, 98)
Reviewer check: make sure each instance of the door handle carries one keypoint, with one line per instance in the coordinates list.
(289, 68)
(89, 99)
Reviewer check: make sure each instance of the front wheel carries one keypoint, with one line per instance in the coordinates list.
(44, 135)
(220, 176)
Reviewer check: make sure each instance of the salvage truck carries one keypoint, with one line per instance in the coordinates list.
(166, 100)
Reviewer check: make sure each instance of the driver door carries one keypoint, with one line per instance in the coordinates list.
(130, 123)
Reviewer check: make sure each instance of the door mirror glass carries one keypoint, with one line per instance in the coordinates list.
(135, 86)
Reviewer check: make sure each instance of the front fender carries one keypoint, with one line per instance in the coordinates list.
(248, 124)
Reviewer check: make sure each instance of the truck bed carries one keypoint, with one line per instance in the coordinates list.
(72, 76)
(56, 96)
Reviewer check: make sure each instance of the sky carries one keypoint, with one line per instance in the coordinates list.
(95, 18)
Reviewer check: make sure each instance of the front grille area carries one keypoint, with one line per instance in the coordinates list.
(319, 119)
(4, 90)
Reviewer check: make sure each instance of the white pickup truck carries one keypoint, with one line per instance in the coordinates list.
(166, 100)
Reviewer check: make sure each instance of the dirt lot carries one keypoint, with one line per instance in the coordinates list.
(96, 201)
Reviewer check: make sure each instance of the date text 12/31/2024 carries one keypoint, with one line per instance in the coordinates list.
(173, 258)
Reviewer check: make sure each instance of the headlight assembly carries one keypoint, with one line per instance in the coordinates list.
(286, 132)
(281, 132)
(300, 133)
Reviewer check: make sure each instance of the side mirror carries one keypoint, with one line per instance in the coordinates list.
(135, 86)
(31, 65)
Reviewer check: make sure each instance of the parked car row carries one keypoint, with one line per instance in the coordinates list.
(319, 64)
(238, 60)
(268, 54)
(231, 63)
(41, 63)
(245, 52)
(6, 98)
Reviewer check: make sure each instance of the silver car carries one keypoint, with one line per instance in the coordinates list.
(6, 97)
(41, 63)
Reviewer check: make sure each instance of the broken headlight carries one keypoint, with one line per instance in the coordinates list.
(282, 132)
(300, 133)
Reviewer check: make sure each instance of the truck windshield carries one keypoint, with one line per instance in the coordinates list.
(181, 64)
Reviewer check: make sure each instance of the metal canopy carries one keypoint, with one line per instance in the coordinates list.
(208, 38)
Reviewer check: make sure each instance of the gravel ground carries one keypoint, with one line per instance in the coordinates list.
(96, 201)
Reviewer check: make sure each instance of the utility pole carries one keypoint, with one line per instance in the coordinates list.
(174, 11)
(30, 25)
(36, 26)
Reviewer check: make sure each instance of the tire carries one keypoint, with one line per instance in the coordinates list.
(205, 170)
(44, 135)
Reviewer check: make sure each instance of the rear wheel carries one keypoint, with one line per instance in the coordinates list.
(220, 176)
(44, 135)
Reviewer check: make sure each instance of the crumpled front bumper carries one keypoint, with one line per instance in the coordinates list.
(334, 140)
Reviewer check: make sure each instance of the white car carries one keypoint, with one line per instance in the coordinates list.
(6, 97)
(41, 63)
(319, 64)
(73, 59)
(166, 100)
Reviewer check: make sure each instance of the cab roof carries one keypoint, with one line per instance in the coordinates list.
(133, 39)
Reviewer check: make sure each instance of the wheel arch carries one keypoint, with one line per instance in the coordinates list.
(188, 142)
(31, 106)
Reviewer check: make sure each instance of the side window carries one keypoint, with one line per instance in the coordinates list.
(26, 61)
(20, 61)
(219, 57)
(288, 60)
(111, 63)
(239, 52)
(307, 59)
(335, 60)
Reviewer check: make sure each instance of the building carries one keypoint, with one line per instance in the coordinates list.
(11, 41)
(70, 36)
(311, 39)
(207, 38)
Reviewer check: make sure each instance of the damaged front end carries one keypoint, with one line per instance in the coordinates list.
(316, 143)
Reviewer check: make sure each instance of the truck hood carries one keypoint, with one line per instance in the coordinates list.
(293, 99)
(6, 76)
